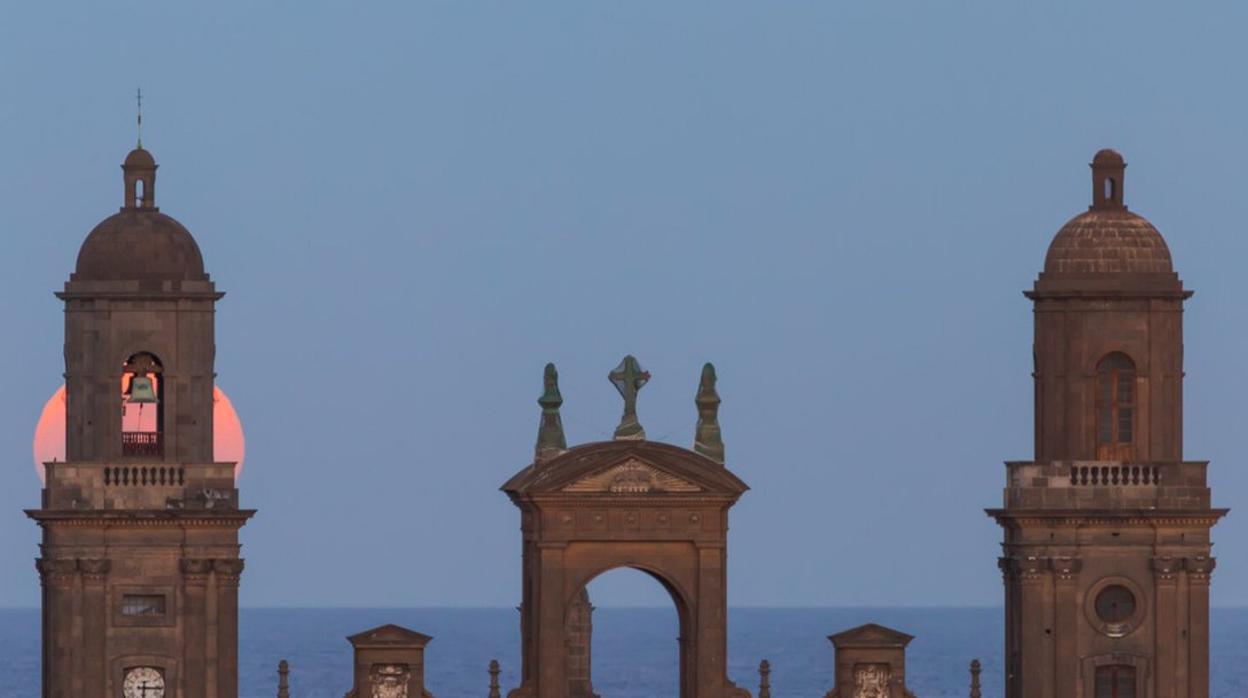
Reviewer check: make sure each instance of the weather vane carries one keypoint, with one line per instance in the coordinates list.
(629, 378)
(138, 95)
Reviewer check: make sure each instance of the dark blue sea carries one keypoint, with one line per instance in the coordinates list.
(634, 650)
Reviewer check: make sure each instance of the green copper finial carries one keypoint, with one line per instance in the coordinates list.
(628, 378)
(707, 440)
(550, 438)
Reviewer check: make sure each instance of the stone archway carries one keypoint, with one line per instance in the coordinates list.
(627, 503)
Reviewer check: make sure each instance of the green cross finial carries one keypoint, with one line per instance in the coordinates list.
(629, 378)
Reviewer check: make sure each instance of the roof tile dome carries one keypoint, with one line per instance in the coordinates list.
(1107, 238)
(140, 243)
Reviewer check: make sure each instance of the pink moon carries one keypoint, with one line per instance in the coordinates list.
(228, 445)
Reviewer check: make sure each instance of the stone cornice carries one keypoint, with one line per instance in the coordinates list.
(1106, 517)
(150, 518)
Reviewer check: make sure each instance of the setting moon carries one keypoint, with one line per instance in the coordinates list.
(228, 445)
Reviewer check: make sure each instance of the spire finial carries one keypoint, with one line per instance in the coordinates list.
(283, 671)
(629, 378)
(494, 687)
(138, 96)
(707, 440)
(764, 679)
(550, 439)
(975, 669)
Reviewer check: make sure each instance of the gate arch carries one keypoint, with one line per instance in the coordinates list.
(650, 506)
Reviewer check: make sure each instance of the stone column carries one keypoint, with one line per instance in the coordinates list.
(195, 575)
(1199, 570)
(95, 624)
(57, 577)
(227, 572)
(1165, 586)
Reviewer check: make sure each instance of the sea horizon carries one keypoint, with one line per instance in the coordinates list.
(634, 648)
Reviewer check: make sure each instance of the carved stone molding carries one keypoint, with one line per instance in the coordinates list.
(1066, 568)
(1199, 569)
(1166, 569)
(228, 570)
(196, 570)
(94, 570)
(1031, 570)
(56, 572)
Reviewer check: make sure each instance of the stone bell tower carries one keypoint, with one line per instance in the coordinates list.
(1107, 551)
(140, 555)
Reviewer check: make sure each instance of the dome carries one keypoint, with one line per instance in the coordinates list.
(1108, 242)
(140, 243)
(1107, 238)
(137, 245)
(140, 158)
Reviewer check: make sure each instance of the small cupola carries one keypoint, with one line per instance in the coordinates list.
(1108, 169)
(140, 175)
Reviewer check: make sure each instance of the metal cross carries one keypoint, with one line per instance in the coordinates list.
(629, 378)
(139, 98)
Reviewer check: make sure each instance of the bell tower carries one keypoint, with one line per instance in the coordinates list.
(140, 556)
(1107, 551)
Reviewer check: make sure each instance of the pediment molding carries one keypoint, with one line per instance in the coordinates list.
(633, 476)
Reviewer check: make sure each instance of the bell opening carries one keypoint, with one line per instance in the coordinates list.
(142, 407)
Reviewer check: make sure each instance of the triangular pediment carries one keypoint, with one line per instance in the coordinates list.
(638, 468)
(633, 476)
(389, 635)
(871, 635)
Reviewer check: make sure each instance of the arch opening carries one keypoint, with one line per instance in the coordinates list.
(142, 407)
(623, 639)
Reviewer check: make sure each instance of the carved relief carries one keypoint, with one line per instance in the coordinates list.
(631, 477)
(871, 680)
(390, 680)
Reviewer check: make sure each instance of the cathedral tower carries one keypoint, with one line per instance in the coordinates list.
(140, 556)
(1107, 531)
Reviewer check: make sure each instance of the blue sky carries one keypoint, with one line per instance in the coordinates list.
(414, 206)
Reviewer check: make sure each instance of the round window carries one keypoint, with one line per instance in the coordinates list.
(1115, 604)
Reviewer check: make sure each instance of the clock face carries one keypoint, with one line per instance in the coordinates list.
(143, 682)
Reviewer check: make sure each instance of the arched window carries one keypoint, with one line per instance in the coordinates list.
(142, 407)
(1115, 408)
(1115, 681)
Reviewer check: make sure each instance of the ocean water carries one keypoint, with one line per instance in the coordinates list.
(634, 649)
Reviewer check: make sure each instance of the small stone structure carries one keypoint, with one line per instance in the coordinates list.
(870, 663)
(389, 663)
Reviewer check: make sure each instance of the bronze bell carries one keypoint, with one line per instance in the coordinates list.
(141, 391)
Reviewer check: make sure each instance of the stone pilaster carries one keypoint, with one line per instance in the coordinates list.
(1199, 570)
(1165, 585)
(1065, 631)
(228, 572)
(95, 621)
(195, 575)
(58, 578)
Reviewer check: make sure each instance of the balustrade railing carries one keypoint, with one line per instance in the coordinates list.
(1114, 475)
(142, 444)
(144, 476)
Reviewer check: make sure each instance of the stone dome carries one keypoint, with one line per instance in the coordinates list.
(140, 243)
(1107, 238)
(1108, 242)
(137, 245)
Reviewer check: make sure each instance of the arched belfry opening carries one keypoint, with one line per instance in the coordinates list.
(142, 407)
(625, 503)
